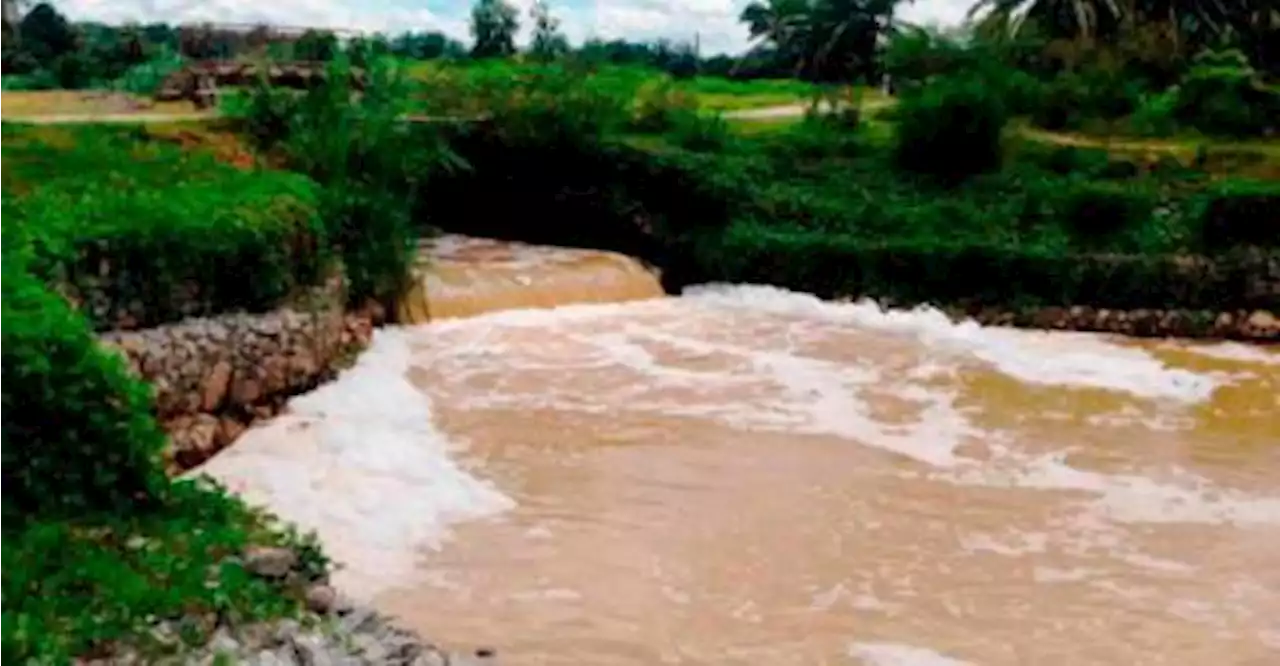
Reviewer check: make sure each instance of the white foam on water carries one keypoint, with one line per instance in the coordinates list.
(764, 388)
(1232, 351)
(1057, 359)
(360, 462)
(898, 654)
(1124, 498)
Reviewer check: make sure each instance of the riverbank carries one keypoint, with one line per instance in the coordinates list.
(1132, 248)
(158, 299)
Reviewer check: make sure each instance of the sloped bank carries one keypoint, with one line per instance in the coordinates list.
(1234, 295)
(703, 219)
(213, 377)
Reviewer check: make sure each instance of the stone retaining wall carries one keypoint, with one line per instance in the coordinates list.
(1258, 326)
(214, 376)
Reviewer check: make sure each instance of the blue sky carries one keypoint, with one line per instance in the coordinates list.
(714, 21)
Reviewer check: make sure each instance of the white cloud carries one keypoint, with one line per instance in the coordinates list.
(714, 22)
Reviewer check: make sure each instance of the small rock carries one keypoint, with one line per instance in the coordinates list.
(360, 620)
(322, 599)
(285, 631)
(310, 650)
(1263, 321)
(229, 429)
(246, 391)
(370, 648)
(270, 562)
(431, 658)
(215, 386)
(222, 642)
(268, 658)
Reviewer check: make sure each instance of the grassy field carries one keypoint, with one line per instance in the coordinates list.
(35, 104)
(455, 81)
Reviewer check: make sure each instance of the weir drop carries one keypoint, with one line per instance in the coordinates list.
(744, 475)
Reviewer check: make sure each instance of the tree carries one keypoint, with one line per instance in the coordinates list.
(426, 46)
(319, 45)
(822, 40)
(1200, 20)
(548, 44)
(493, 25)
(46, 35)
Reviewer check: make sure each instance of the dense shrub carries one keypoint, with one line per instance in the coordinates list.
(951, 129)
(145, 78)
(1240, 213)
(1221, 94)
(1156, 115)
(1067, 160)
(1094, 212)
(660, 106)
(1072, 100)
(79, 438)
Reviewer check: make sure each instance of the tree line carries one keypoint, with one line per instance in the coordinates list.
(819, 40)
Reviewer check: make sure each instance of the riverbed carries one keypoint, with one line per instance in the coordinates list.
(745, 475)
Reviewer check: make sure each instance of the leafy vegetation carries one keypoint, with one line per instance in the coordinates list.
(99, 545)
(160, 235)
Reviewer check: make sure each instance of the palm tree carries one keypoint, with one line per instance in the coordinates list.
(1199, 21)
(783, 23)
(822, 39)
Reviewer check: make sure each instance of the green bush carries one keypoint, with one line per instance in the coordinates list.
(1156, 115)
(1238, 212)
(1222, 95)
(1094, 212)
(660, 106)
(1072, 100)
(145, 78)
(1069, 160)
(142, 255)
(701, 133)
(951, 129)
(79, 438)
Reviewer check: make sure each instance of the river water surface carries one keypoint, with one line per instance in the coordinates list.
(744, 475)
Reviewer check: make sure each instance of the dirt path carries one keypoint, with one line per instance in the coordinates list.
(122, 118)
(1132, 145)
(786, 111)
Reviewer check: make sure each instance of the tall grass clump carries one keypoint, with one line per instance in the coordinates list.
(951, 128)
(369, 160)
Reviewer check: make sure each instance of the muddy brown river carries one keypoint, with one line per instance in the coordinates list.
(745, 475)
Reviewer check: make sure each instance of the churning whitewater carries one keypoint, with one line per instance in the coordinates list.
(745, 475)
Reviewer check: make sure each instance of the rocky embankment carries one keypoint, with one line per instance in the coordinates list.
(333, 632)
(214, 377)
(1256, 326)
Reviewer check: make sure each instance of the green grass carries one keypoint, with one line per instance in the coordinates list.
(99, 546)
(717, 94)
(94, 586)
(107, 212)
(460, 88)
